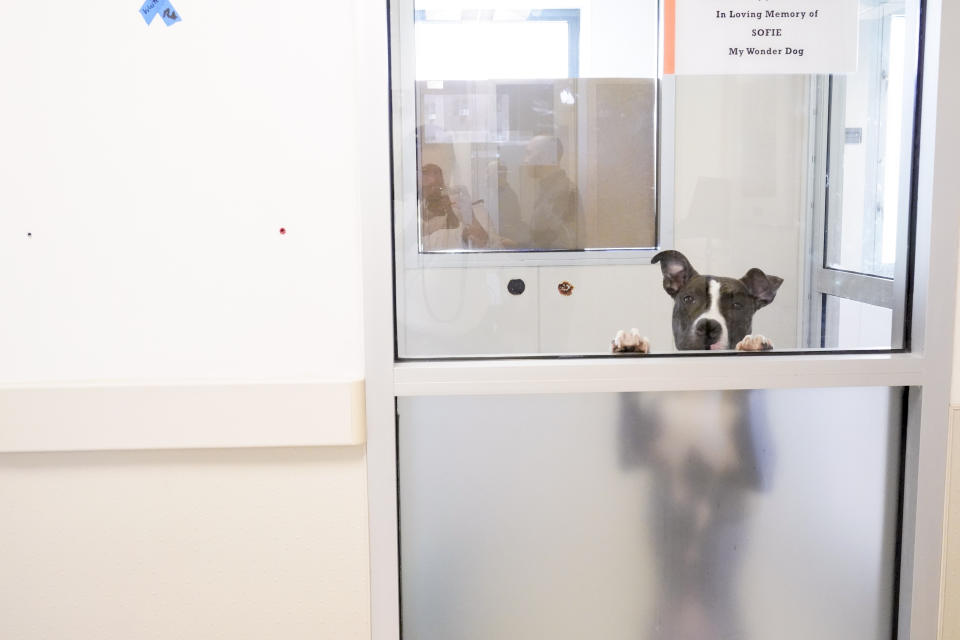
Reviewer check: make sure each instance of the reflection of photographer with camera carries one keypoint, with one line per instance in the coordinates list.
(442, 214)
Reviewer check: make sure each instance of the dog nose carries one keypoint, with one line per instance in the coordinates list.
(709, 330)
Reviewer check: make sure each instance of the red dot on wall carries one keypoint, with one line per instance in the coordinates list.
(283, 230)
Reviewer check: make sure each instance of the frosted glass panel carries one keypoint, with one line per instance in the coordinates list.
(661, 516)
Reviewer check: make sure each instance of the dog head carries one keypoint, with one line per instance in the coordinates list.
(711, 312)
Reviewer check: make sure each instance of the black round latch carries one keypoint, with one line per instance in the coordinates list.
(516, 286)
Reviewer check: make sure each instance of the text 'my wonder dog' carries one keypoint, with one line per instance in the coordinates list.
(709, 312)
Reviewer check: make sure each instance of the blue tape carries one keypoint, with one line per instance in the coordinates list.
(169, 15)
(151, 8)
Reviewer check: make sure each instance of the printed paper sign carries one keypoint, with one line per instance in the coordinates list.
(760, 36)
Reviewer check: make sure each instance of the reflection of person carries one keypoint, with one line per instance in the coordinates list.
(442, 212)
(706, 452)
(553, 223)
(513, 232)
(439, 223)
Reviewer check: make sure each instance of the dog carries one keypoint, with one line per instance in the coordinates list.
(709, 312)
(706, 451)
(706, 454)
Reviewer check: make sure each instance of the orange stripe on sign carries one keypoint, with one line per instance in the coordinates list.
(669, 36)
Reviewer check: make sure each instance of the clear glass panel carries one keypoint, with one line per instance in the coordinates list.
(856, 325)
(519, 148)
(544, 167)
(660, 516)
(862, 232)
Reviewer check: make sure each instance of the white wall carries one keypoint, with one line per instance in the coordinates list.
(948, 134)
(741, 183)
(145, 174)
(153, 168)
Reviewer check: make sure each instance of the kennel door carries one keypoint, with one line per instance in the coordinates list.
(650, 515)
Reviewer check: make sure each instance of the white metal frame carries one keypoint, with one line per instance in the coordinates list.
(926, 370)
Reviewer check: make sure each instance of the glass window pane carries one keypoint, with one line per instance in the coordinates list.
(554, 189)
(863, 231)
(520, 151)
(548, 165)
(850, 324)
(658, 516)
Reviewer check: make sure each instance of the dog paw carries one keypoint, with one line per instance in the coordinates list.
(630, 342)
(754, 343)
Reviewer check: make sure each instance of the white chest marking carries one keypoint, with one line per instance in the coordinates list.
(698, 423)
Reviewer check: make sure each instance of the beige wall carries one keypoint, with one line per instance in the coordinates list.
(951, 594)
(193, 545)
(955, 390)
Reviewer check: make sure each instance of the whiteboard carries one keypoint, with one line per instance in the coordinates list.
(146, 173)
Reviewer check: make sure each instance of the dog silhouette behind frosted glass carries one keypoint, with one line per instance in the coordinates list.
(707, 452)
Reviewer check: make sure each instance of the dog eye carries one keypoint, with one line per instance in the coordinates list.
(738, 305)
(687, 299)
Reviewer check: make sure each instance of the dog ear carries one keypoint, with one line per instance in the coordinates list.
(677, 270)
(761, 286)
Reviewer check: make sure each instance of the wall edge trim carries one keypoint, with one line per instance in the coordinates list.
(96, 416)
